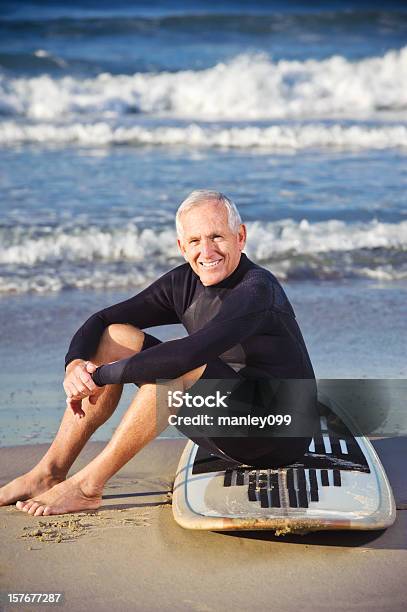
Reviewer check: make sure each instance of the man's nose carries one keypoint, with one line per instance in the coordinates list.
(207, 248)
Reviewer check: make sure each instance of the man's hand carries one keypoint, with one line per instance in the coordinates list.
(78, 384)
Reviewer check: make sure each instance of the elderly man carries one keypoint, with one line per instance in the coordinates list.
(241, 328)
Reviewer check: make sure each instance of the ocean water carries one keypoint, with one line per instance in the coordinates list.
(111, 113)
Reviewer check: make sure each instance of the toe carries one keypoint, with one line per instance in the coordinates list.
(47, 511)
(39, 511)
(24, 505)
(27, 505)
(33, 508)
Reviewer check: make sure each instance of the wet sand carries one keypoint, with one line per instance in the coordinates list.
(132, 555)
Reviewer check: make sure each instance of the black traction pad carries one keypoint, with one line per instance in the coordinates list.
(332, 431)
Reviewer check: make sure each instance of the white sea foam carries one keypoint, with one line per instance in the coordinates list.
(247, 87)
(22, 246)
(307, 238)
(275, 137)
(266, 240)
(97, 258)
(45, 54)
(53, 280)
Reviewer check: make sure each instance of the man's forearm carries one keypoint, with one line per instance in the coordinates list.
(152, 306)
(85, 341)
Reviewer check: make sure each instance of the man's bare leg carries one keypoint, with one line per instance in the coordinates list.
(83, 491)
(118, 342)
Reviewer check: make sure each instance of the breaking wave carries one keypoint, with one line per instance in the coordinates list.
(46, 259)
(249, 87)
(273, 137)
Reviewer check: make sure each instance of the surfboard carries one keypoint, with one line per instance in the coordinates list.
(338, 484)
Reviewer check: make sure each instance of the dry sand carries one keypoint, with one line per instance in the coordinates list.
(131, 555)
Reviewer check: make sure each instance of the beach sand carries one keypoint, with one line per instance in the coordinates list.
(131, 555)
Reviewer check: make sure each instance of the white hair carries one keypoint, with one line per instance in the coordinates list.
(198, 197)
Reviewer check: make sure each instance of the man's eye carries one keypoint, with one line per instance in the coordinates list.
(217, 237)
(195, 241)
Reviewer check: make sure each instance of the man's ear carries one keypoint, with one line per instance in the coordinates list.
(181, 249)
(242, 235)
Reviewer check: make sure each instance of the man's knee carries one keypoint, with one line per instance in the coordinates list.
(119, 341)
(190, 378)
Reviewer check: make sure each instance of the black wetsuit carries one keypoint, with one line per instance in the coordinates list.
(243, 328)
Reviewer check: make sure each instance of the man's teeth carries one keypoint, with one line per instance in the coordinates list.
(212, 264)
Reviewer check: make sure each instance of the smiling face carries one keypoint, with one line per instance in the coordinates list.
(208, 244)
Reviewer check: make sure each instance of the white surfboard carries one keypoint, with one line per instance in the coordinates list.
(339, 484)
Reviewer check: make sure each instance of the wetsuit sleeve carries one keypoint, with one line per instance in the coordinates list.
(151, 307)
(241, 315)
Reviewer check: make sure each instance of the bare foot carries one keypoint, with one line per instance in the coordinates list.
(67, 496)
(26, 486)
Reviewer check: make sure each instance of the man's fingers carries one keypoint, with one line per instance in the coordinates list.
(75, 406)
(74, 390)
(87, 380)
(80, 375)
(78, 383)
(91, 367)
(70, 390)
